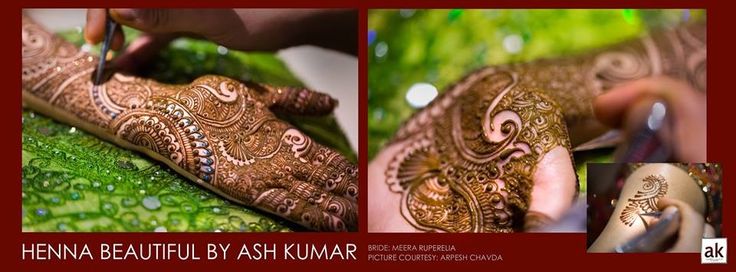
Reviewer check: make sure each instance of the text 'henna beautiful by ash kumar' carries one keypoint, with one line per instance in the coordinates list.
(188, 251)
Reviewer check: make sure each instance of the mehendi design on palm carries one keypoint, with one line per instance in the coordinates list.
(468, 158)
(470, 169)
(216, 131)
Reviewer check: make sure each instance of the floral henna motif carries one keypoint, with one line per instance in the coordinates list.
(218, 131)
(470, 170)
(645, 200)
(469, 155)
(574, 82)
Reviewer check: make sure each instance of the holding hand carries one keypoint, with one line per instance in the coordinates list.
(240, 29)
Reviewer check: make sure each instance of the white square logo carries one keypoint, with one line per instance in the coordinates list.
(713, 251)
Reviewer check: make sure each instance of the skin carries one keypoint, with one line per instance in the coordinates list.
(218, 132)
(692, 226)
(552, 173)
(624, 105)
(554, 176)
(383, 205)
(240, 29)
(621, 106)
(682, 193)
(611, 109)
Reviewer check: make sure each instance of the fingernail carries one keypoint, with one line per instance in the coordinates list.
(669, 213)
(124, 14)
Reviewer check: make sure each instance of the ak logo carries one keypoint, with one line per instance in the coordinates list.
(713, 251)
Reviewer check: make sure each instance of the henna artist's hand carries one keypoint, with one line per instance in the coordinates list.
(489, 155)
(240, 29)
(216, 131)
(643, 194)
(683, 235)
(693, 227)
(625, 105)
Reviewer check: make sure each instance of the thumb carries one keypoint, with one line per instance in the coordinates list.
(691, 226)
(554, 189)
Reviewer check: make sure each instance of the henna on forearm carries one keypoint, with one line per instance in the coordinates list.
(216, 131)
(468, 158)
(573, 82)
(637, 206)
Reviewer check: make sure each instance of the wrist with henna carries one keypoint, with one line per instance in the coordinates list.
(573, 82)
(218, 132)
(467, 161)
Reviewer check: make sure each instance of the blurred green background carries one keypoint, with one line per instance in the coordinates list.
(440, 46)
(431, 49)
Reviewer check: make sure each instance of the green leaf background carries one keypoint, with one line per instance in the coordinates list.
(73, 181)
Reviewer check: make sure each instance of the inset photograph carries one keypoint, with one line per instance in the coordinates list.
(484, 120)
(653, 207)
(183, 120)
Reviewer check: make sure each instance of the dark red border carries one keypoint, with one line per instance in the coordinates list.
(564, 252)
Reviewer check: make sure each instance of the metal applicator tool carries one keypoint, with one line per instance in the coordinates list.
(655, 236)
(645, 145)
(110, 26)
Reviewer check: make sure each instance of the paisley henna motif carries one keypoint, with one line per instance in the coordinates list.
(645, 200)
(468, 158)
(216, 131)
(470, 170)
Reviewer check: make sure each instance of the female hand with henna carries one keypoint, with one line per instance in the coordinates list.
(216, 131)
(492, 154)
(240, 29)
(485, 157)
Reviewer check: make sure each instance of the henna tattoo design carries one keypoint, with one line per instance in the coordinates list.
(216, 131)
(469, 156)
(575, 81)
(470, 170)
(645, 200)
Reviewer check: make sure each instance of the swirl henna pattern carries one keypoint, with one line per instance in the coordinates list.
(467, 159)
(645, 200)
(470, 171)
(216, 131)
